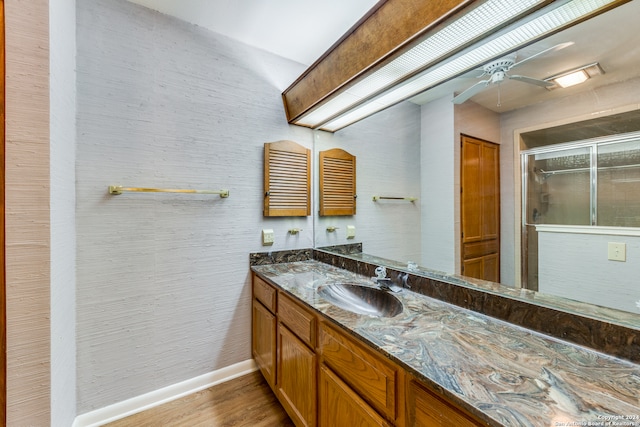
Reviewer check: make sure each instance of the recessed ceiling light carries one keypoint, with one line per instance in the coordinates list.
(576, 76)
(572, 79)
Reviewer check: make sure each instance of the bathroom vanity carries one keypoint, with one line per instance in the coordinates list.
(433, 364)
(325, 376)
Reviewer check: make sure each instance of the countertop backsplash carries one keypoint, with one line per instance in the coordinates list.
(612, 337)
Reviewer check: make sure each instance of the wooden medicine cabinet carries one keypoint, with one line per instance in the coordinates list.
(287, 179)
(337, 183)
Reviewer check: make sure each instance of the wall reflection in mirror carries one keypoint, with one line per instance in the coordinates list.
(578, 199)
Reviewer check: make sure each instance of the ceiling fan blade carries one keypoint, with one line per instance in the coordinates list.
(551, 49)
(475, 73)
(473, 90)
(532, 81)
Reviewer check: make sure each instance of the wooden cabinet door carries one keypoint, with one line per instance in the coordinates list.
(296, 373)
(263, 342)
(367, 373)
(287, 179)
(480, 209)
(425, 409)
(337, 188)
(341, 406)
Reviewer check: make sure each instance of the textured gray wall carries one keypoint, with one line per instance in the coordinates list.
(163, 289)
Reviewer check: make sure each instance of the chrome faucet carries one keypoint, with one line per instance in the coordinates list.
(405, 280)
(385, 283)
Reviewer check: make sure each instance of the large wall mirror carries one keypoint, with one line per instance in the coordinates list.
(412, 150)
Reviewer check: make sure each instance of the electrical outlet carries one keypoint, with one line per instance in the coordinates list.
(617, 251)
(351, 231)
(267, 237)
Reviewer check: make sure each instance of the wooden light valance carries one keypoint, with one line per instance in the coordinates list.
(383, 32)
(368, 63)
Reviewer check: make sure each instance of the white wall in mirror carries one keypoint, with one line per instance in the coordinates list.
(438, 176)
(574, 264)
(387, 150)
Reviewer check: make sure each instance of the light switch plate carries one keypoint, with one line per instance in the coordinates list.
(351, 231)
(267, 237)
(617, 251)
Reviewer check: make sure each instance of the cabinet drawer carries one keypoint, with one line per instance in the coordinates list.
(265, 293)
(427, 409)
(299, 321)
(371, 376)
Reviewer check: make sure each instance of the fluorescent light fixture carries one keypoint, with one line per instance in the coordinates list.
(576, 76)
(402, 79)
(572, 79)
(457, 34)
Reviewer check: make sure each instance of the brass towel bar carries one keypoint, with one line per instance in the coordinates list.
(118, 189)
(409, 199)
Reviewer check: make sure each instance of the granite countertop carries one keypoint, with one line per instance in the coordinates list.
(505, 374)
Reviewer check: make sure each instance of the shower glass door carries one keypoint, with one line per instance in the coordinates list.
(592, 183)
(558, 190)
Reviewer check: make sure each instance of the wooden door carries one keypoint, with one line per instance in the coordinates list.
(480, 209)
(296, 372)
(3, 325)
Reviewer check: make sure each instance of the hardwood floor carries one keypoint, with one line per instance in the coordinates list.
(245, 401)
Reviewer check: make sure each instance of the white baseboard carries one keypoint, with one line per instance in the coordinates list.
(140, 403)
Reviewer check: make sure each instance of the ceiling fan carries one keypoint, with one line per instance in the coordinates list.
(497, 72)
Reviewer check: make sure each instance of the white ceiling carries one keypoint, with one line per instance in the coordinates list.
(301, 30)
(609, 39)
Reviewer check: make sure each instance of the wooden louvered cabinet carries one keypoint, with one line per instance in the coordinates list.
(287, 179)
(337, 170)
